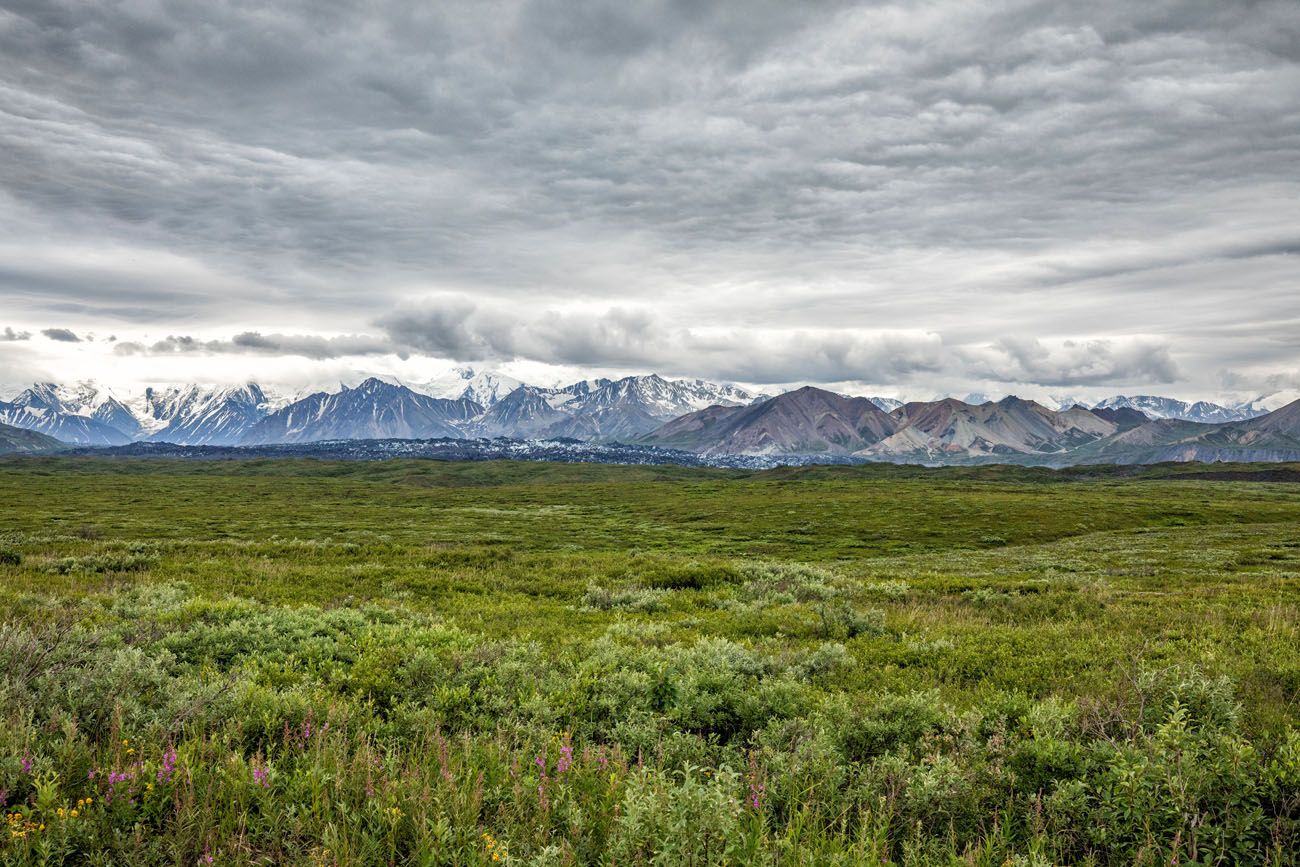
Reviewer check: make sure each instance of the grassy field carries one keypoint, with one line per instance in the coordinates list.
(298, 662)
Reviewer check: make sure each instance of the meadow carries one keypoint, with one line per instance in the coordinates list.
(426, 663)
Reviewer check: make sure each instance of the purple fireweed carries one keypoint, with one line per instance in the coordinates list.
(115, 777)
(26, 762)
(566, 759)
(300, 736)
(756, 788)
(261, 776)
(168, 766)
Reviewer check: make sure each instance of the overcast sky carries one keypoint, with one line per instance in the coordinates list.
(910, 199)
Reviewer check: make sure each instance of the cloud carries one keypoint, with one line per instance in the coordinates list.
(11, 336)
(63, 335)
(844, 179)
(637, 339)
(256, 343)
(1073, 362)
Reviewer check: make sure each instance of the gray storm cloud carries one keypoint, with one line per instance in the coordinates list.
(638, 339)
(1113, 180)
(62, 335)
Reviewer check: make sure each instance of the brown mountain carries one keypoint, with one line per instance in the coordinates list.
(1271, 437)
(806, 421)
(953, 429)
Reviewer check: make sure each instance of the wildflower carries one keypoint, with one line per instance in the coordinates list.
(72, 813)
(27, 764)
(168, 766)
(756, 789)
(566, 756)
(261, 776)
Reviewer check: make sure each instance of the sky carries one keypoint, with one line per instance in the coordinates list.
(906, 199)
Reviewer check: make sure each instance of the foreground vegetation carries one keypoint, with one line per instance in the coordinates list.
(291, 662)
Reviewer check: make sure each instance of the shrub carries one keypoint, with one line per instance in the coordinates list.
(101, 563)
(599, 598)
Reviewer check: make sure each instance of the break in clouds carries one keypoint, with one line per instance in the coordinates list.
(924, 197)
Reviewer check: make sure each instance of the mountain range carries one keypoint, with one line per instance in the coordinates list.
(692, 415)
(1012, 430)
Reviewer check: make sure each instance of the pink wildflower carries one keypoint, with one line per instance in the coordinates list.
(168, 766)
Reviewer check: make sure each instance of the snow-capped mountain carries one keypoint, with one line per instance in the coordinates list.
(84, 414)
(1202, 411)
(602, 409)
(663, 398)
(526, 412)
(464, 402)
(484, 387)
(702, 417)
(373, 410)
(66, 427)
(87, 398)
(1266, 403)
(198, 415)
(88, 413)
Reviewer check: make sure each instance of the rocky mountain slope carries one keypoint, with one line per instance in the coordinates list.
(701, 417)
(809, 420)
(1167, 407)
(55, 412)
(195, 415)
(1011, 426)
(18, 441)
(373, 410)
(1271, 437)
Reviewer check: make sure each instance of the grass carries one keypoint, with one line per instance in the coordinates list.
(304, 662)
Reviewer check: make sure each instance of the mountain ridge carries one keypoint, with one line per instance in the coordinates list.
(650, 410)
